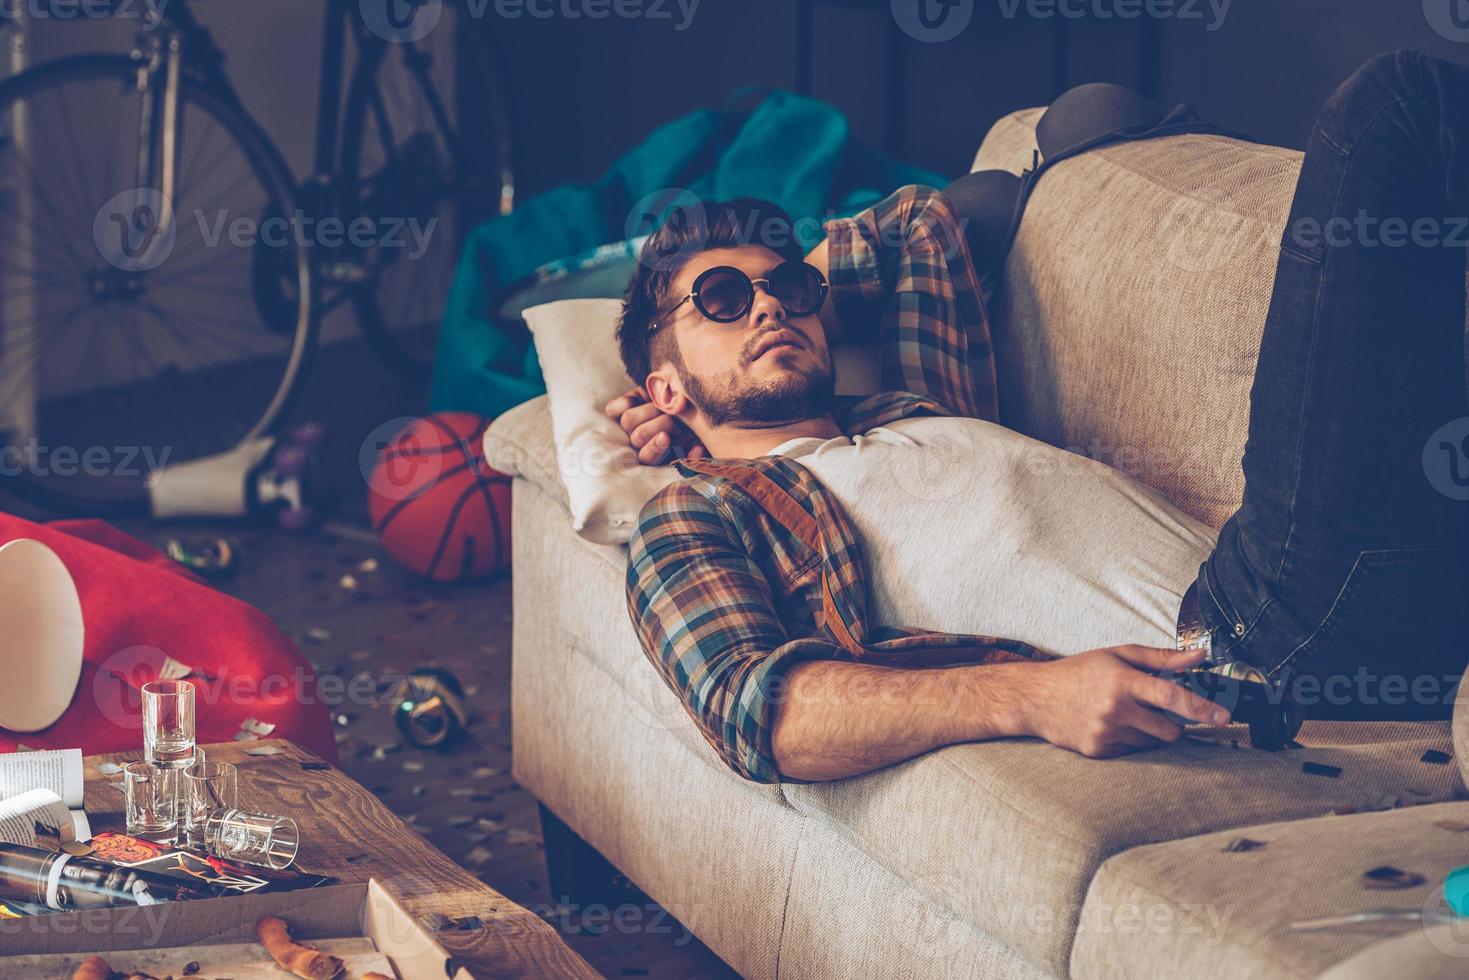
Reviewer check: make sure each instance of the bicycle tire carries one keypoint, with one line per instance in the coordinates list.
(113, 496)
(406, 362)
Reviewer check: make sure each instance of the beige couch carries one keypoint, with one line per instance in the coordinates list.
(1127, 326)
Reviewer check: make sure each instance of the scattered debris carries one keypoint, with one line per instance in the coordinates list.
(264, 750)
(518, 836)
(213, 558)
(109, 769)
(1320, 769)
(1386, 801)
(318, 634)
(348, 582)
(1242, 844)
(251, 729)
(1388, 878)
(479, 854)
(172, 670)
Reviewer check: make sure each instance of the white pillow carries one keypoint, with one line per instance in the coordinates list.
(606, 486)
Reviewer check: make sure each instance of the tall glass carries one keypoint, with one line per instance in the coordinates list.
(205, 787)
(168, 724)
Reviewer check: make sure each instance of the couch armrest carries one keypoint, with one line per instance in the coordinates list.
(519, 443)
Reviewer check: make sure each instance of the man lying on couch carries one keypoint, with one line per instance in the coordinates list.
(764, 585)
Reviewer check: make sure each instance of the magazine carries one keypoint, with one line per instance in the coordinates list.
(46, 839)
(41, 798)
(156, 872)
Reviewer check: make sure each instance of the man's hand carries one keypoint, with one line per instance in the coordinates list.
(1109, 702)
(652, 432)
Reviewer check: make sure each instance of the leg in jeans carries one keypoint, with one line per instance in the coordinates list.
(1343, 574)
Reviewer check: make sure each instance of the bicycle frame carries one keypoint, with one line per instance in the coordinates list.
(181, 47)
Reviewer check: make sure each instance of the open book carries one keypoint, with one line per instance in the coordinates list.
(41, 798)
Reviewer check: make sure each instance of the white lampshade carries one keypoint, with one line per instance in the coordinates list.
(41, 622)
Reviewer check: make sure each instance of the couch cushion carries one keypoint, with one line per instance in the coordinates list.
(1129, 331)
(1192, 908)
(857, 919)
(580, 622)
(1008, 834)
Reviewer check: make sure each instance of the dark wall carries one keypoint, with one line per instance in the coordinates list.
(583, 91)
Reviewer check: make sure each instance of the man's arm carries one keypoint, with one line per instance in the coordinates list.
(900, 272)
(780, 708)
(843, 719)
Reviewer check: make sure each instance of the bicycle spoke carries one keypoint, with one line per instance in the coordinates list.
(46, 233)
(218, 336)
(167, 323)
(79, 161)
(55, 212)
(171, 273)
(110, 151)
(185, 180)
(42, 343)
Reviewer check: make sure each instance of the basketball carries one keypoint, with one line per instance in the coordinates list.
(436, 505)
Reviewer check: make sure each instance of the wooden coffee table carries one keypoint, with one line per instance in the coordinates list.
(348, 834)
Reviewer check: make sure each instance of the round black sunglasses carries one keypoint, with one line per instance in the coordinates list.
(725, 294)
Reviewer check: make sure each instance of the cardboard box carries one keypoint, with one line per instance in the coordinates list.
(52, 945)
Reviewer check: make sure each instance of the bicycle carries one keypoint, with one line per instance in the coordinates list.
(148, 273)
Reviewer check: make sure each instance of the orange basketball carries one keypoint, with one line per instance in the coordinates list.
(436, 506)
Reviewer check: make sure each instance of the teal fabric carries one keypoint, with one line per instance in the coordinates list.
(770, 144)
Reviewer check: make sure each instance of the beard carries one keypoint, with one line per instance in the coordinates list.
(794, 396)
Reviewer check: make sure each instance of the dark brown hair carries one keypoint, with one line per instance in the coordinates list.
(686, 231)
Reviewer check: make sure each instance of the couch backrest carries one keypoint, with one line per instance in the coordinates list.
(1129, 315)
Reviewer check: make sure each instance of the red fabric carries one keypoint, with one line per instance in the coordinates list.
(139, 607)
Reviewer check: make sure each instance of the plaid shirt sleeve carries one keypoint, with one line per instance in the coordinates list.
(705, 615)
(901, 271)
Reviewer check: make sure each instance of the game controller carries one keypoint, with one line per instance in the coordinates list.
(1244, 691)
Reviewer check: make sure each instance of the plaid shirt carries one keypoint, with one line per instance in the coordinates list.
(748, 567)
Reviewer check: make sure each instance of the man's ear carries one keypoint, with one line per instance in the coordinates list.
(665, 391)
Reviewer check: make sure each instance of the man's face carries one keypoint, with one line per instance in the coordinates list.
(765, 369)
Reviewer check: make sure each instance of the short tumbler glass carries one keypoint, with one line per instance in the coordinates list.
(204, 788)
(168, 723)
(252, 838)
(152, 796)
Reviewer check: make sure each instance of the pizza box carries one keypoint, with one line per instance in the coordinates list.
(361, 923)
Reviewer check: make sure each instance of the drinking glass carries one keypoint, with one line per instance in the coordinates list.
(252, 838)
(205, 788)
(152, 794)
(168, 723)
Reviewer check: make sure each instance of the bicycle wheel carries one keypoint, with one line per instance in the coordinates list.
(406, 165)
(130, 333)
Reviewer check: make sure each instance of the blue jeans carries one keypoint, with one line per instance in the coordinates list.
(1345, 573)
